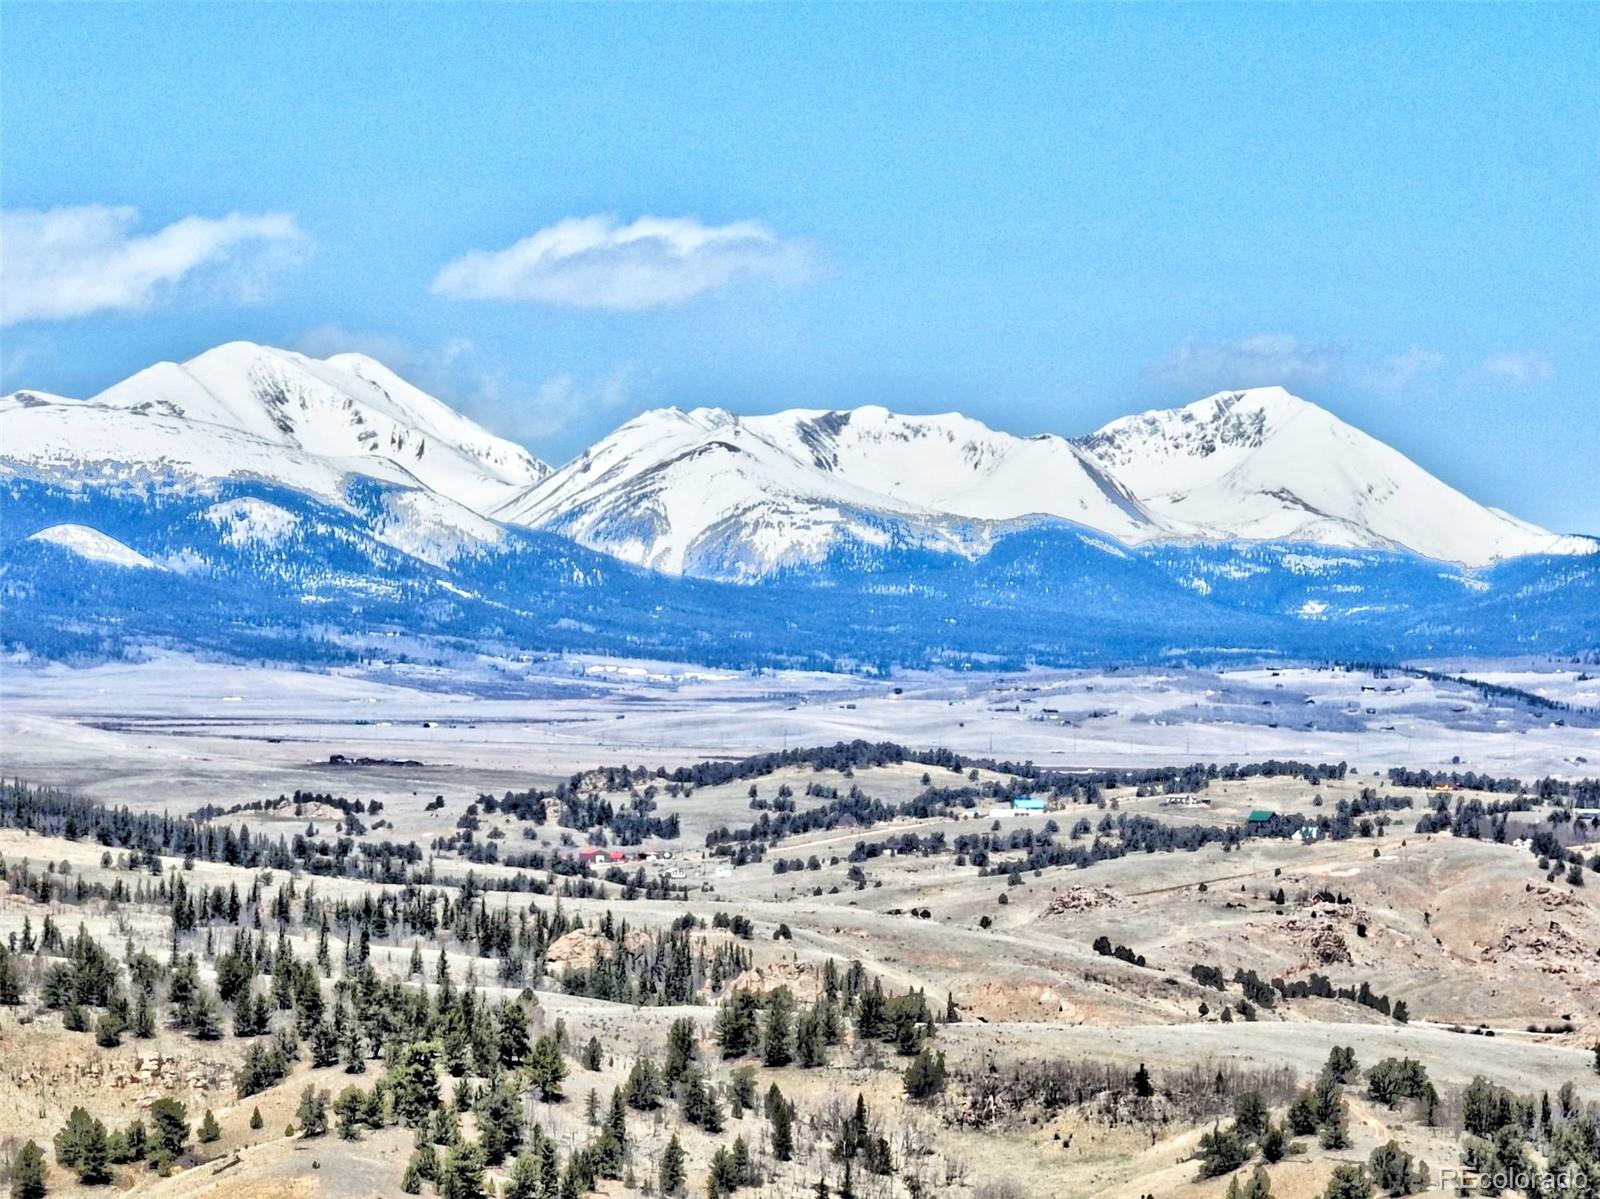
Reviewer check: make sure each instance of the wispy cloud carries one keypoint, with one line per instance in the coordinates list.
(1258, 360)
(1264, 359)
(1399, 371)
(566, 401)
(1519, 368)
(61, 263)
(454, 372)
(597, 262)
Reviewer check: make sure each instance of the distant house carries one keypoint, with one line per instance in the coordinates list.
(616, 855)
(588, 855)
(1307, 833)
(1027, 804)
(1260, 818)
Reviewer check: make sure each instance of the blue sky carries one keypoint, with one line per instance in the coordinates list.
(1043, 217)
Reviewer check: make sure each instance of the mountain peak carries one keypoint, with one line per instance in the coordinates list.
(705, 490)
(1264, 464)
(244, 408)
(93, 545)
(710, 492)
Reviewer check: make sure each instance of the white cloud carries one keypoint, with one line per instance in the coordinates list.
(1399, 371)
(566, 401)
(1263, 359)
(23, 353)
(61, 263)
(596, 262)
(324, 341)
(1259, 360)
(454, 372)
(1519, 368)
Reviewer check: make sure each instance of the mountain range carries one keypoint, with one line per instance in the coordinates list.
(322, 498)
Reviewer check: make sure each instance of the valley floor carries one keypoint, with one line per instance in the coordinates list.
(1496, 960)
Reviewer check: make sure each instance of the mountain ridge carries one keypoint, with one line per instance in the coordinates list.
(708, 493)
(243, 409)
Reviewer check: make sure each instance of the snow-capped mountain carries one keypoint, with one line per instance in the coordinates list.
(715, 495)
(93, 546)
(1264, 465)
(249, 411)
(256, 503)
(708, 492)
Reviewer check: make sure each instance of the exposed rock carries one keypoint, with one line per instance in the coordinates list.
(579, 949)
(1082, 899)
(1328, 948)
(1548, 945)
(803, 979)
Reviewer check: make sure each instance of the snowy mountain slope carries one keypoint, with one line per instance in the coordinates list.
(347, 407)
(87, 442)
(1264, 465)
(93, 546)
(242, 410)
(701, 492)
(257, 571)
(707, 492)
(715, 495)
(959, 466)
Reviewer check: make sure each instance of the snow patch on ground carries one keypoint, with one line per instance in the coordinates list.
(251, 521)
(94, 545)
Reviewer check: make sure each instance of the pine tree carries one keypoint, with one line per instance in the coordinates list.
(256, 1122)
(27, 1173)
(781, 1114)
(1349, 1182)
(549, 1168)
(809, 1039)
(642, 1088)
(500, 1129)
(1259, 1186)
(925, 1077)
(209, 1131)
(461, 1176)
(1334, 1131)
(546, 1069)
(523, 1181)
(169, 1121)
(144, 1019)
(426, 1158)
(413, 1084)
(617, 1118)
(680, 1050)
(82, 1146)
(350, 1110)
(775, 1032)
(324, 1045)
(444, 1129)
(1142, 1086)
(312, 1113)
(671, 1174)
(411, 1181)
(1222, 1150)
